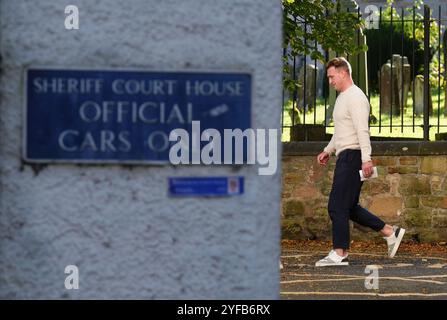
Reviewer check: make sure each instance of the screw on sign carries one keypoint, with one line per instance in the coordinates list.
(233, 185)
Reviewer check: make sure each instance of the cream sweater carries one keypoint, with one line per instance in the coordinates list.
(351, 123)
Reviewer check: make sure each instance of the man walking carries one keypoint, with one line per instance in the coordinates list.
(352, 146)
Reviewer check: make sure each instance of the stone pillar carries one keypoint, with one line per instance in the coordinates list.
(117, 223)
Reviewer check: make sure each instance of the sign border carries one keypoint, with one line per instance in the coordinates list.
(242, 187)
(130, 69)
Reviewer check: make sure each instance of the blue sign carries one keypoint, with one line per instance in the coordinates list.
(206, 186)
(125, 116)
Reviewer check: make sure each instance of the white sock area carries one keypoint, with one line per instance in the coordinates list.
(391, 238)
(334, 256)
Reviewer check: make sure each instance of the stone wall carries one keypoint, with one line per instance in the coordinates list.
(411, 191)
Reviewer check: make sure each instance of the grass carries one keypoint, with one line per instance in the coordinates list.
(317, 116)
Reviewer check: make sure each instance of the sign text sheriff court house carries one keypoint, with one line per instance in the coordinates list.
(125, 116)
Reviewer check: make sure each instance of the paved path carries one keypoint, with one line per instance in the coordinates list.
(404, 277)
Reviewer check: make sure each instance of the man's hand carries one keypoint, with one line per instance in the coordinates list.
(367, 168)
(323, 158)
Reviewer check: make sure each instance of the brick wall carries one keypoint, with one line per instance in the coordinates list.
(411, 191)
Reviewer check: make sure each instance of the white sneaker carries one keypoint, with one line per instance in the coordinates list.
(394, 240)
(332, 259)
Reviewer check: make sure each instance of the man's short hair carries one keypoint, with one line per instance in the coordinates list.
(338, 63)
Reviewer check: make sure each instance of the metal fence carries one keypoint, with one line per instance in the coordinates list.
(403, 104)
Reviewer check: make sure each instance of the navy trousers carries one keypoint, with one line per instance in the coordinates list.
(344, 199)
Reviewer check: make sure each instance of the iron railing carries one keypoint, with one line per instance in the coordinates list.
(307, 116)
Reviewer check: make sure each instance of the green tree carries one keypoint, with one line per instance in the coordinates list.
(319, 21)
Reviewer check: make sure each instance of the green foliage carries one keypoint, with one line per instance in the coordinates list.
(309, 22)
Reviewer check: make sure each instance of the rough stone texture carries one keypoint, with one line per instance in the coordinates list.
(378, 186)
(293, 208)
(435, 202)
(115, 223)
(385, 161)
(306, 192)
(400, 195)
(444, 187)
(411, 202)
(414, 185)
(402, 170)
(440, 220)
(417, 217)
(436, 184)
(386, 207)
(431, 165)
(408, 161)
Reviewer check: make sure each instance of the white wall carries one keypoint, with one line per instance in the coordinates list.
(116, 223)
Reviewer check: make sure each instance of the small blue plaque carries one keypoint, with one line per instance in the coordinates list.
(206, 186)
